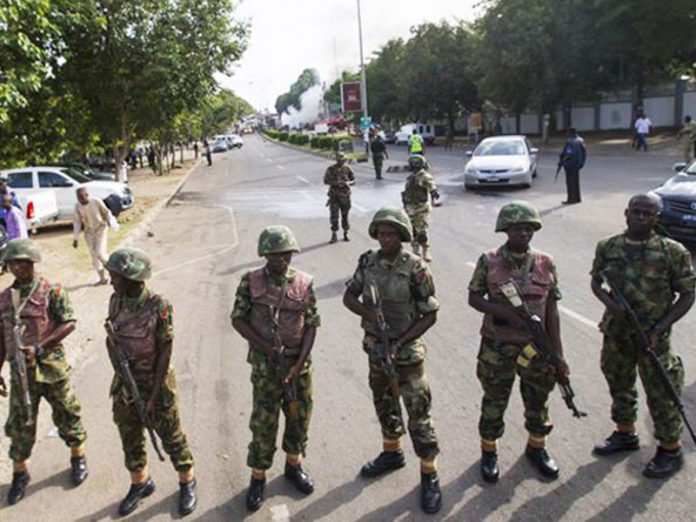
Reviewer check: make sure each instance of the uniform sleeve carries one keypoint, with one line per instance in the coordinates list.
(555, 292)
(683, 277)
(165, 325)
(327, 176)
(423, 288)
(242, 299)
(312, 317)
(478, 282)
(59, 306)
(598, 263)
(351, 174)
(355, 284)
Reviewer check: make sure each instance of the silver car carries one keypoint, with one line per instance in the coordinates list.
(501, 160)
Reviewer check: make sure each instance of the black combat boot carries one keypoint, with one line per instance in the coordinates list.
(345, 236)
(334, 237)
(664, 464)
(20, 479)
(616, 443)
(78, 470)
(295, 474)
(489, 466)
(136, 493)
(385, 461)
(543, 462)
(188, 497)
(254, 497)
(431, 496)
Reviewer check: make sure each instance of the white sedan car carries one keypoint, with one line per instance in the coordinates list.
(501, 160)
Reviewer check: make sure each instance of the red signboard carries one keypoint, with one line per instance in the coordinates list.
(350, 97)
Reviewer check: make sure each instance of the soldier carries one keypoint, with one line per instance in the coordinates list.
(650, 270)
(46, 318)
(275, 309)
(688, 132)
(409, 306)
(504, 337)
(143, 330)
(417, 196)
(339, 177)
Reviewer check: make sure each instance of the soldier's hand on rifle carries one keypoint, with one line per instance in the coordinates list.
(513, 319)
(293, 373)
(562, 369)
(150, 409)
(655, 335)
(30, 352)
(3, 387)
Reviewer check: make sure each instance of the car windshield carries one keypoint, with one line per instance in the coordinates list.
(75, 175)
(691, 169)
(500, 148)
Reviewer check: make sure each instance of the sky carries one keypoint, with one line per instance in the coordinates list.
(288, 36)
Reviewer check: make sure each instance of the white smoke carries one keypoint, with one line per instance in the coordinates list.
(310, 106)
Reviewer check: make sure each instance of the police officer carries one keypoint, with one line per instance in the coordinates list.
(504, 337)
(339, 177)
(46, 318)
(572, 159)
(656, 277)
(417, 196)
(688, 133)
(275, 309)
(142, 327)
(405, 285)
(415, 143)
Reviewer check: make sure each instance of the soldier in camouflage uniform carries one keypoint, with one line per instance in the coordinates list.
(651, 271)
(339, 177)
(143, 330)
(504, 337)
(417, 196)
(46, 316)
(275, 309)
(406, 287)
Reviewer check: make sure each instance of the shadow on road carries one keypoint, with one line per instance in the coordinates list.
(332, 289)
(332, 500)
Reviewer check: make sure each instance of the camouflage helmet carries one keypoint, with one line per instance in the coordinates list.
(417, 161)
(277, 239)
(517, 212)
(341, 156)
(22, 249)
(131, 263)
(395, 217)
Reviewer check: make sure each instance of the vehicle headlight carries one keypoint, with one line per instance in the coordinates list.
(469, 170)
(658, 200)
(517, 170)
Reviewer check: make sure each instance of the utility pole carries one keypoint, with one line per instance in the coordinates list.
(363, 84)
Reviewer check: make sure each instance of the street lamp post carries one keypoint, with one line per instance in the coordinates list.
(363, 83)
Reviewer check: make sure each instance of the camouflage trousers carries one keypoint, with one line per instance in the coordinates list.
(339, 204)
(621, 362)
(496, 369)
(415, 392)
(420, 220)
(166, 424)
(268, 400)
(65, 414)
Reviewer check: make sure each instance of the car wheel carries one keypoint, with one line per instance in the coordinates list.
(534, 174)
(468, 187)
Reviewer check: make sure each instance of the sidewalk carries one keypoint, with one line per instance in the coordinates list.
(73, 269)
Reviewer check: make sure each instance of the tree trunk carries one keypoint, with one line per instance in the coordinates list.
(518, 123)
(181, 154)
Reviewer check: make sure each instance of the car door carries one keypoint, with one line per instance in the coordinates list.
(533, 157)
(64, 188)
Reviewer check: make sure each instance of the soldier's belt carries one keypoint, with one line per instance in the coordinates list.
(411, 370)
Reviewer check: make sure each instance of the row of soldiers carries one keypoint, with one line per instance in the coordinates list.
(393, 292)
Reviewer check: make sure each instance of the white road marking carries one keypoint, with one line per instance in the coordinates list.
(303, 180)
(471, 264)
(280, 513)
(281, 167)
(361, 209)
(229, 247)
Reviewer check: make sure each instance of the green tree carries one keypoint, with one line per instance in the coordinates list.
(386, 83)
(307, 79)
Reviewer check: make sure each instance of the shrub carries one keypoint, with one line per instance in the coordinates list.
(283, 136)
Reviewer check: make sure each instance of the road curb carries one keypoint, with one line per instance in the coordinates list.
(325, 155)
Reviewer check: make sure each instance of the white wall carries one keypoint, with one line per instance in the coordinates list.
(529, 124)
(582, 118)
(690, 104)
(660, 110)
(615, 115)
(508, 124)
(559, 120)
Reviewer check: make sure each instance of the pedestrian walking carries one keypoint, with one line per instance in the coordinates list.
(208, 154)
(572, 159)
(45, 317)
(392, 291)
(195, 150)
(688, 134)
(419, 193)
(642, 127)
(339, 177)
(275, 310)
(449, 138)
(505, 337)
(140, 326)
(15, 225)
(657, 280)
(379, 151)
(93, 218)
(415, 144)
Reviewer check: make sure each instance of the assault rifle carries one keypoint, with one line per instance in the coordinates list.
(540, 343)
(121, 365)
(643, 342)
(384, 350)
(19, 361)
(282, 365)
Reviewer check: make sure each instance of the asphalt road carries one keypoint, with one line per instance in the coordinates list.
(206, 239)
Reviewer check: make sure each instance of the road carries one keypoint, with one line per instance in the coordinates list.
(203, 242)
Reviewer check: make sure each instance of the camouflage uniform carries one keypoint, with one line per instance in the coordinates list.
(416, 199)
(338, 178)
(649, 275)
(268, 398)
(410, 359)
(688, 134)
(49, 378)
(497, 358)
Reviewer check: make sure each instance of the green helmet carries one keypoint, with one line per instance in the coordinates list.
(18, 249)
(395, 217)
(277, 239)
(417, 161)
(131, 263)
(517, 212)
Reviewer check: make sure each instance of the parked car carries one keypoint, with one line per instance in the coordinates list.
(92, 174)
(40, 208)
(677, 198)
(388, 136)
(64, 181)
(220, 146)
(501, 160)
(426, 131)
(235, 140)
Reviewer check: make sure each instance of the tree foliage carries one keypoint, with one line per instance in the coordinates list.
(307, 79)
